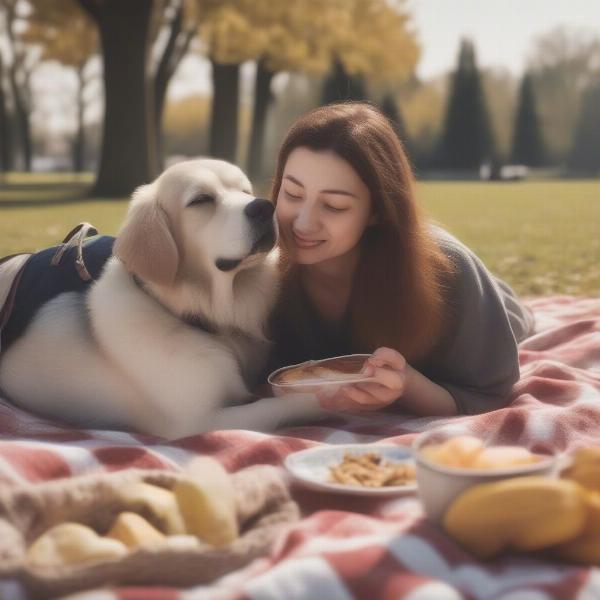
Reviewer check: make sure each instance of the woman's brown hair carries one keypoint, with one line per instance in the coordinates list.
(397, 297)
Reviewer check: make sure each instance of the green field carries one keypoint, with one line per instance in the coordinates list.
(542, 237)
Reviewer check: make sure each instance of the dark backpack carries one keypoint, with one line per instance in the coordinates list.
(70, 267)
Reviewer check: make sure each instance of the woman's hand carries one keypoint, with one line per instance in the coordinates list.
(390, 371)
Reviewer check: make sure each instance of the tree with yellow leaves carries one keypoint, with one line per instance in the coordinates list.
(134, 87)
(297, 36)
(20, 65)
(5, 133)
(180, 20)
(66, 35)
(369, 37)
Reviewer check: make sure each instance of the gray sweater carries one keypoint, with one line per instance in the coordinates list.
(478, 363)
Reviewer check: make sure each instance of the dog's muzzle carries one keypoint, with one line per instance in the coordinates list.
(260, 214)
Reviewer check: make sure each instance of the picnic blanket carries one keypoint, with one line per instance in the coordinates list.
(350, 547)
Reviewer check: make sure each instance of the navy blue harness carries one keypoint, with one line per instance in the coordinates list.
(69, 267)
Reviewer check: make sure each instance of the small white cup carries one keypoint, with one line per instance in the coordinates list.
(439, 485)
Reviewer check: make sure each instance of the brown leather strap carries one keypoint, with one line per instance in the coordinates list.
(75, 237)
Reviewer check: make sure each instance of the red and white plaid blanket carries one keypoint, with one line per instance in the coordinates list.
(348, 547)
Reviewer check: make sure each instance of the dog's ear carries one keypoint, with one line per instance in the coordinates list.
(145, 242)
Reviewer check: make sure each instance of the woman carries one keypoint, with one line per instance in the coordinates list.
(363, 272)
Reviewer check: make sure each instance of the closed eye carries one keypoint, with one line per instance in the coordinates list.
(292, 197)
(202, 199)
(334, 209)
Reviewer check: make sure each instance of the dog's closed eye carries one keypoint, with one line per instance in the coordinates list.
(202, 199)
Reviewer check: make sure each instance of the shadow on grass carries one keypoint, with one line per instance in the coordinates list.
(75, 197)
(38, 196)
(43, 185)
(33, 190)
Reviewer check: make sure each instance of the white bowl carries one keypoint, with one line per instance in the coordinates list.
(439, 485)
(325, 387)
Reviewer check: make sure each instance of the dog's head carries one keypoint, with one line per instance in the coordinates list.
(198, 217)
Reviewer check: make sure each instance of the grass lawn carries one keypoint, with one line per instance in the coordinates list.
(542, 237)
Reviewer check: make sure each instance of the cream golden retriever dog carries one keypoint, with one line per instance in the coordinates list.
(165, 341)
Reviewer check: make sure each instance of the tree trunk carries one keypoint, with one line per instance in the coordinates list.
(262, 100)
(128, 157)
(166, 67)
(161, 83)
(5, 133)
(22, 121)
(79, 141)
(225, 102)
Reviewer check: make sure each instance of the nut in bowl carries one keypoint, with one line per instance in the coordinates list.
(447, 464)
(323, 377)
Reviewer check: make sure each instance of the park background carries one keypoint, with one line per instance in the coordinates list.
(98, 96)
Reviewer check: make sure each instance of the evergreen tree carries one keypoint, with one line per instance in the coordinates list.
(339, 86)
(585, 153)
(467, 138)
(5, 133)
(390, 109)
(527, 144)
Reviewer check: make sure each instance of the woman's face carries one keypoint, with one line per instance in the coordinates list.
(323, 206)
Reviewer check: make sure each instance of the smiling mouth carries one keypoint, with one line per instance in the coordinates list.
(301, 243)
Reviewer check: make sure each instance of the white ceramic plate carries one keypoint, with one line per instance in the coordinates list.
(311, 468)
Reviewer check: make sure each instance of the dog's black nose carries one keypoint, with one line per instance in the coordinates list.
(259, 210)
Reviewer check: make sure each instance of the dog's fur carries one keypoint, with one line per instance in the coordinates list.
(128, 354)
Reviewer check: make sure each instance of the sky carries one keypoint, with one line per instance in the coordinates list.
(502, 30)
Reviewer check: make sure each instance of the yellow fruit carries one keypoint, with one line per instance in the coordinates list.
(207, 502)
(464, 449)
(434, 453)
(134, 531)
(499, 457)
(585, 468)
(588, 454)
(586, 547)
(525, 513)
(592, 523)
(72, 543)
(585, 550)
(458, 451)
(160, 503)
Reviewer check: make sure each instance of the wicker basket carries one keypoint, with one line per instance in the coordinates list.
(263, 504)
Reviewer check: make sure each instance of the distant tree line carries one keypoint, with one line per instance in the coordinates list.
(467, 138)
(141, 43)
(354, 49)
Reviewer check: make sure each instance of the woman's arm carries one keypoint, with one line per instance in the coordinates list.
(477, 366)
(425, 398)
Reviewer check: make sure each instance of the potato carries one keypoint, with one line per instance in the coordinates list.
(157, 501)
(134, 531)
(72, 543)
(206, 500)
